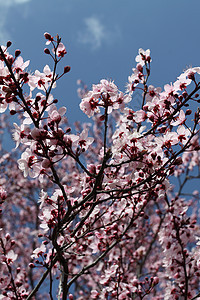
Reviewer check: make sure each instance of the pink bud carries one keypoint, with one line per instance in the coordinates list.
(191, 75)
(178, 161)
(135, 282)
(12, 112)
(185, 94)
(67, 69)
(7, 236)
(48, 36)
(55, 116)
(46, 50)
(46, 163)
(9, 43)
(156, 280)
(3, 194)
(35, 133)
(71, 297)
(17, 52)
(45, 242)
(12, 243)
(188, 112)
(148, 59)
(140, 68)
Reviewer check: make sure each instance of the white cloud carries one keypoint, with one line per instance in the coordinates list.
(94, 33)
(8, 3)
(5, 6)
(4, 34)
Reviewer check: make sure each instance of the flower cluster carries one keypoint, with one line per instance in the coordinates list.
(105, 95)
(95, 206)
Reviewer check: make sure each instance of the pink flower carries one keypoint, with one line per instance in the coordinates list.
(89, 105)
(43, 198)
(41, 80)
(56, 115)
(169, 139)
(3, 193)
(182, 82)
(183, 133)
(48, 37)
(140, 116)
(143, 55)
(39, 251)
(61, 51)
(133, 80)
(169, 90)
(152, 92)
(19, 64)
(94, 294)
(20, 134)
(180, 120)
(11, 257)
(85, 141)
(27, 163)
(109, 273)
(106, 95)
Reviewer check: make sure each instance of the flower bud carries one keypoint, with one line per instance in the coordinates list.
(140, 68)
(156, 280)
(9, 43)
(12, 112)
(188, 112)
(67, 69)
(17, 52)
(148, 59)
(46, 163)
(46, 50)
(18, 283)
(3, 193)
(7, 236)
(185, 94)
(191, 75)
(180, 97)
(47, 36)
(36, 133)
(12, 243)
(178, 161)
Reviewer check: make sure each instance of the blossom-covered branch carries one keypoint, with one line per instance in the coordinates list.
(92, 212)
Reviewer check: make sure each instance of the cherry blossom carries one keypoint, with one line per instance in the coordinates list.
(180, 119)
(41, 80)
(20, 133)
(60, 50)
(28, 164)
(142, 56)
(19, 64)
(10, 257)
(105, 209)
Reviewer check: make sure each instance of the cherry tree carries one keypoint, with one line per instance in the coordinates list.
(107, 210)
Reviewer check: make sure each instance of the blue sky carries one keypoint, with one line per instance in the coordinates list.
(102, 38)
